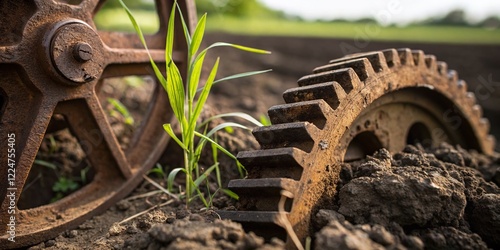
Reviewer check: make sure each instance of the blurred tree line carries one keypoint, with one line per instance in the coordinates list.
(132, 4)
(237, 8)
(453, 18)
(459, 18)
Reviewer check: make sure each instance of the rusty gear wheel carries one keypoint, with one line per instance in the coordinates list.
(52, 64)
(343, 111)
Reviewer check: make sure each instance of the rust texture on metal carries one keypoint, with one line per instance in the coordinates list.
(345, 110)
(52, 63)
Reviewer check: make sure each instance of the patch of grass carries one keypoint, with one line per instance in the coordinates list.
(121, 112)
(187, 98)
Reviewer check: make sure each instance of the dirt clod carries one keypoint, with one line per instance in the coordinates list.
(486, 219)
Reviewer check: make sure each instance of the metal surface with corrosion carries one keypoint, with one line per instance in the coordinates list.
(345, 110)
(52, 62)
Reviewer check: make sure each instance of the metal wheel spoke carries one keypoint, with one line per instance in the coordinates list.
(88, 122)
(91, 6)
(122, 62)
(22, 128)
(44, 3)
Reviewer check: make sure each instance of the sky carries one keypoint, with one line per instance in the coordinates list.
(385, 11)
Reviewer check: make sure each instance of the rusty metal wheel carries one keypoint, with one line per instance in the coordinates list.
(53, 61)
(343, 111)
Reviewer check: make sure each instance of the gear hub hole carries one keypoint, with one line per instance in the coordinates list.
(419, 134)
(363, 144)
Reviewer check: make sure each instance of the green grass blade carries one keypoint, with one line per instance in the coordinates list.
(129, 120)
(184, 25)
(170, 131)
(204, 95)
(241, 168)
(249, 49)
(175, 91)
(241, 115)
(198, 35)
(138, 30)
(215, 158)
(135, 24)
(169, 41)
(222, 149)
(46, 164)
(224, 125)
(202, 198)
(205, 175)
(230, 193)
(221, 126)
(264, 119)
(240, 47)
(194, 78)
(240, 75)
(158, 171)
(236, 76)
(171, 178)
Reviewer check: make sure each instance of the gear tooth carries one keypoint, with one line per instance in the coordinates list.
(263, 223)
(350, 57)
(362, 67)
(406, 57)
(273, 163)
(430, 62)
(418, 57)
(477, 110)
(263, 186)
(492, 141)
(391, 57)
(485, 123)
(263, 194)
(346, 77)
(377, 60)
(471, 99)
(261, 217)
(315, 112)
(453, 77)
(442, 68)
(331, 92)
(299, 134)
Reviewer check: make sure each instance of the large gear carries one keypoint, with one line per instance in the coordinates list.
(342, 112)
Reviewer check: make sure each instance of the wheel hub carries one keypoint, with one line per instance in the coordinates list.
(75, 52)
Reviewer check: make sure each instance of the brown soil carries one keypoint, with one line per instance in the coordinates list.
(440, 198)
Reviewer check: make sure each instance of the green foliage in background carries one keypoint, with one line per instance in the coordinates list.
(237, 8)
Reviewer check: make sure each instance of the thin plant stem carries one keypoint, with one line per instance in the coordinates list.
(154, 183)
(146, 211)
